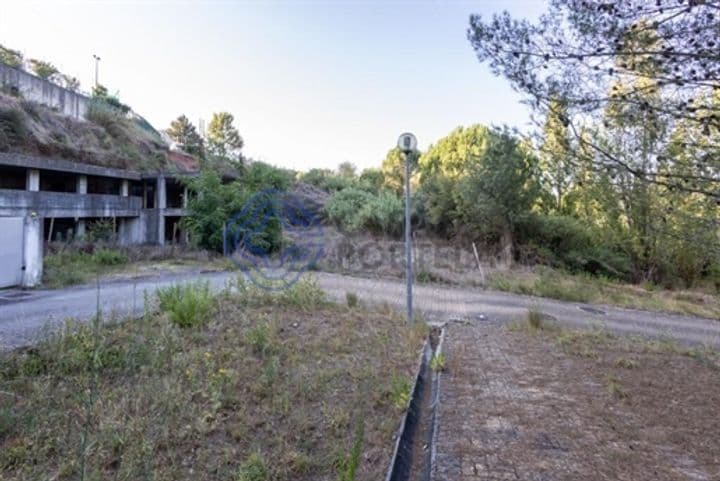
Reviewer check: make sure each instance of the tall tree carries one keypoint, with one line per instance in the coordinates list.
(500, 186)
(347, 170)
(223, 138)
(185, 134)
(393, 170)
(580, 47)
(556, 162)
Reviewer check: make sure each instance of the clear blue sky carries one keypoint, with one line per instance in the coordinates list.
(310, 83)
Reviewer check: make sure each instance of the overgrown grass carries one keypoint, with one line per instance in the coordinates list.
(74, 266)
(266, 388)
(187, 305)
(554, 284)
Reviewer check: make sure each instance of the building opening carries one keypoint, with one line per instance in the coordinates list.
(173, 233)
(12, 177)
(103, 185)
(51, 181)
(174, 194)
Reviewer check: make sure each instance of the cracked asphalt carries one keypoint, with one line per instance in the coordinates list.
(26, 315)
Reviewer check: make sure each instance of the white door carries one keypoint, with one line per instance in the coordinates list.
(11, 251)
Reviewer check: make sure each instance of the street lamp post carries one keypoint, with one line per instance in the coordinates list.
(97, 63)
(407, 143)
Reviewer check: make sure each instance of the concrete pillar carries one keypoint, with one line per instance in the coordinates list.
(32, 251)
(125, 188)
(185, 198)
(32, 181)
(161, 203)
(82, 184)
(80, 228)
(161, 193)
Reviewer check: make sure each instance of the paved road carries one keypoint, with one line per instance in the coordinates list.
(25, 315)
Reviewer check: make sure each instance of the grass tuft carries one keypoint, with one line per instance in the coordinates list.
(615, 388)
(351, 299)
(253, 469)
(437, 363)
(187, 305)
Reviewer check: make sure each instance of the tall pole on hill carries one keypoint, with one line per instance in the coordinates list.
(97, 63)
(407, 143)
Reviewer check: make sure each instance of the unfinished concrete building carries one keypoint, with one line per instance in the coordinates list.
(61, 172)
(58, 199)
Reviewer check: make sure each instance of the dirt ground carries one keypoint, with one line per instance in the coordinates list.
(554, 404)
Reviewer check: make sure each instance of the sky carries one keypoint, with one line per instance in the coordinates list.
(310, 83)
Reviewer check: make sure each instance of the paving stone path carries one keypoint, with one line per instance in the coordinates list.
(512, 410)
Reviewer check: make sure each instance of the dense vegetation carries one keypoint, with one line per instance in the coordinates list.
(620, 179)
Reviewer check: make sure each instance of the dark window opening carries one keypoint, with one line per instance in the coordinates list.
(136, 189)
(149, 194)
(59, 229)
(174, 193)
(51, 181)
(12, 177)
(103, 185)
(173, 232)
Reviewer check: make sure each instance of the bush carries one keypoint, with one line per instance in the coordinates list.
(326, 180)
(111, 119)
(342, 208)
(563, 241)
(109, 257)
(12, 128)
(253, 469)
(187, 305)
(355, 210)
(382, 214)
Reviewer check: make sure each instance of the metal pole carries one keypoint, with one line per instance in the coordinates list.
(97, 63)
(408, 245)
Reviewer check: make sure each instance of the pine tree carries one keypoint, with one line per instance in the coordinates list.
(224, 140)
(556, 159)
(185, 134)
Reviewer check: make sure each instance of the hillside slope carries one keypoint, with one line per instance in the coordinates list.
(108, 138)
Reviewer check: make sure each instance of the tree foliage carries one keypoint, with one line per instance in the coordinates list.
(214, 203)
(186, 135)
(13, 58)
(347, 169)
(223, 138)
(628, 59)
(42, 68)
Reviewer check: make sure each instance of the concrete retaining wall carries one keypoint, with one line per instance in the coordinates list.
(44, 92)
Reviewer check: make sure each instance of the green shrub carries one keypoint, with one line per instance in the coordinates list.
(187, 305)
(12, 128)
(563, 241)
(400, 393)
(110, 118)
(253, 469)
(437, 363)
(352, 299)
(259, 339)
(109, 257)
(304, 293)
(382, 214)
(101, 230)
(343, 207)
